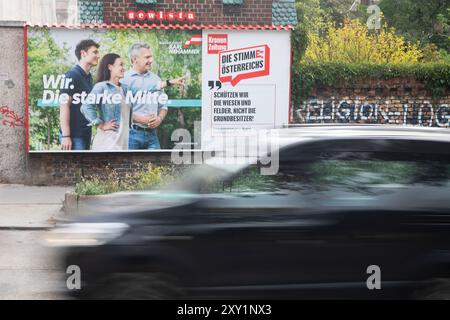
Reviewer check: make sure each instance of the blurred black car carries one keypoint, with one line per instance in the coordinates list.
(344, 199)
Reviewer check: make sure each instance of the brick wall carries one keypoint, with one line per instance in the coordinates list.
(68, 169)
(394, 101)
(207, 11)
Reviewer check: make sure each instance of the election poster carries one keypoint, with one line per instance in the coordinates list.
(246, 82)
(130, 89)
(111, 89)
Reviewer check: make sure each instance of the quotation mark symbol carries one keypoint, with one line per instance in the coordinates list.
(211, 85)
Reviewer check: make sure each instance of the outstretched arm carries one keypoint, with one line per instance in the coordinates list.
(177, 81)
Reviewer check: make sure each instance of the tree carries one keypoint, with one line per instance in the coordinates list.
(310, 18)
(338, 10)
(313, 18)
(418, 20)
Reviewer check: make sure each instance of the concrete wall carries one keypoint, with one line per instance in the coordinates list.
(13, 159)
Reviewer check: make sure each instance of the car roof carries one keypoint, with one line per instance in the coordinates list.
(298, 133)
(295, 134)
(280, 138)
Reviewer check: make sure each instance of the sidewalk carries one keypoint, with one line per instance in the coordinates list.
(29, 207)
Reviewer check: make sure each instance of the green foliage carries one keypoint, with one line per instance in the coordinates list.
(354, 43)
(339, 10)
(349, 53)
(248, 181)
(436, 76)
(153, 177)
(355, 173)
(149, 178)
(313, 16)
(253, 181)
(418, 20)
(310, 17)
(44, 57)
(95, 186)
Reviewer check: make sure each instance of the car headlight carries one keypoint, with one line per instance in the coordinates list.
(85, 234)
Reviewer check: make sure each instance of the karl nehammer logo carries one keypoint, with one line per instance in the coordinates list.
(188, 47)
(195, 40)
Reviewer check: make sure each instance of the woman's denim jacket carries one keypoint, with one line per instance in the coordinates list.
(103, 112)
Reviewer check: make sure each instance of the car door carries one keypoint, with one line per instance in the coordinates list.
(376, 190)
(334, 210)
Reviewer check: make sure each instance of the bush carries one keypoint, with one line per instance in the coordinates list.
(354, 43)
(153, 177)
(436, 76)
(148, 178)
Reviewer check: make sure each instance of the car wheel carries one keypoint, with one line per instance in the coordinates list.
(436, 289)
(138, 286)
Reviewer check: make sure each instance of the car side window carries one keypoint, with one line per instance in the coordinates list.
(355, 165)
(361, 172)
(365, 166)
(377, 172)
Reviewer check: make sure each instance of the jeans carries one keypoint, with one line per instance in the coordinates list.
(140, 139)
(80, 143)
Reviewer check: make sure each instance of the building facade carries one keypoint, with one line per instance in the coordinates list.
(73, 12)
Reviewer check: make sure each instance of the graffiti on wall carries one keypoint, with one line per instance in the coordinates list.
(10, 118)
(420, 114)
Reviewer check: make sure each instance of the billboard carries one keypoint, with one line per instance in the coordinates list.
(252, 70)
(130, 89)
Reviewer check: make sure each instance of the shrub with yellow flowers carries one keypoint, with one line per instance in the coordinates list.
(354, 43)
(351, 52)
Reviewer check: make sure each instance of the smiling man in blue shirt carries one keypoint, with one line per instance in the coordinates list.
(147, 117)
(75, 134)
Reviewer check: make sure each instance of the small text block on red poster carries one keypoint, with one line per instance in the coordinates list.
(217, 43)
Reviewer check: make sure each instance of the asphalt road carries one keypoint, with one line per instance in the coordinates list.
(28, 270)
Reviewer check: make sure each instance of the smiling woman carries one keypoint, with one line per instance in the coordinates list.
(111, 116)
